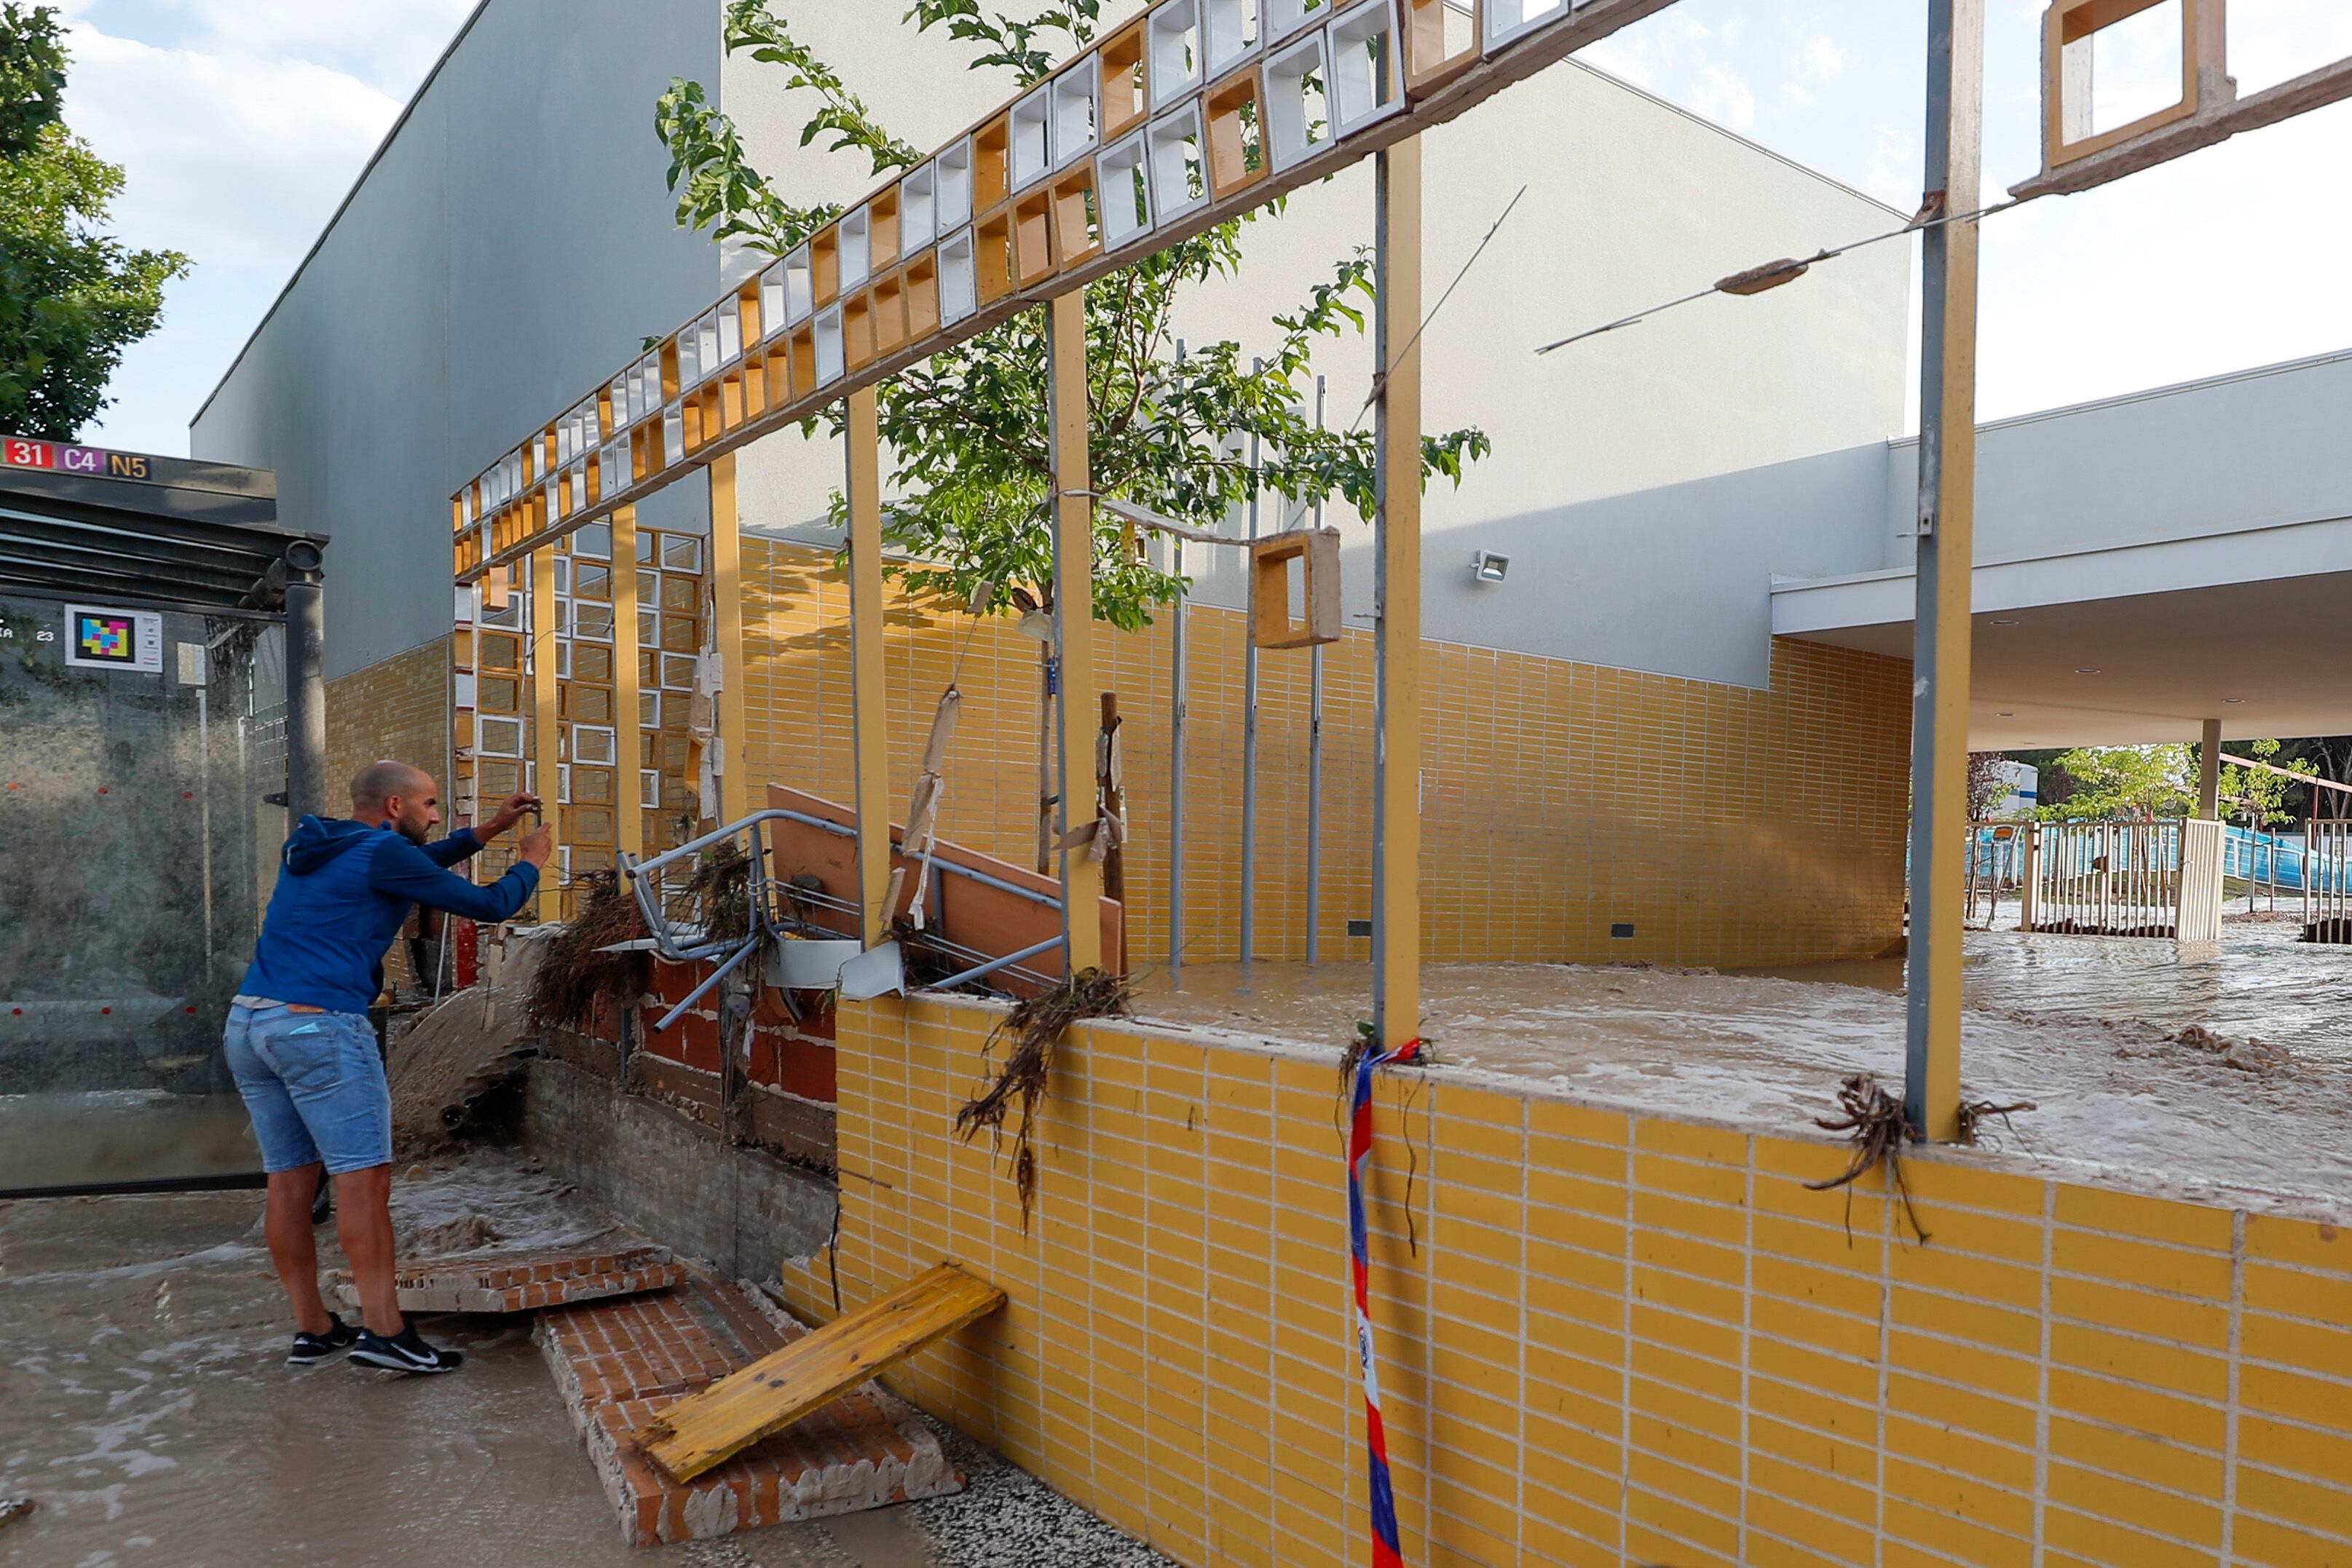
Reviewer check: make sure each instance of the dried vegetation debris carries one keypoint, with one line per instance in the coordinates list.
(575, 972)
(1031, 1029)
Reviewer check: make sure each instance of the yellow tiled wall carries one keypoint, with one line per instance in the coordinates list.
(396, 707)
(1604, 1339)
(1728, 826)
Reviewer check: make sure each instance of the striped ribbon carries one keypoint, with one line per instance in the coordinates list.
(1386, 1552)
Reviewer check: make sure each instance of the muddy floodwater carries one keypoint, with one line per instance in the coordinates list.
(2166, 1067)
(146, 1409)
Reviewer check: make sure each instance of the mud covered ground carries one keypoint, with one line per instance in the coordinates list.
(2226, 1069)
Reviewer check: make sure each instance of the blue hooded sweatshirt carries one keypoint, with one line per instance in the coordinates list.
(343, 889)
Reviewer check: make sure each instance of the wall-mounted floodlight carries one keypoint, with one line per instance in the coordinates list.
(1487, 567)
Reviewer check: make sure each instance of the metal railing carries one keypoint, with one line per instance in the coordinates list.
(2109, 879)
(2327, 880)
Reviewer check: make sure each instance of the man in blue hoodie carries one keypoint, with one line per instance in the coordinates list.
(303, 1052)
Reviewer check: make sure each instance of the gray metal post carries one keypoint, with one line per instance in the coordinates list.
(1314, 754)
(1947, 513)
(1249, 736)
(1176, 751)
(306, 682)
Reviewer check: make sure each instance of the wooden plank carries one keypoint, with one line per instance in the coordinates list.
(1074, 613)
(695, 1434)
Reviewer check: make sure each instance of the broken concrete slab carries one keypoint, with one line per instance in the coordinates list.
(525, 1281)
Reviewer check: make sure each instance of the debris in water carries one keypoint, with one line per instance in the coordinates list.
(1975, 1113)
(575, 973)
(1875, 1120)
(1033, 1026)
(2248, 1055)
(452, 1237)
(13, 1508)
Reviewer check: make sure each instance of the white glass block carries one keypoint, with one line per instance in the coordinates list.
(613, 469)
(673, 435)
(1173, 36)
(772, 301)
(619, 392)
(1077, 96)
(830, 365)
(856, 247)
(497, 736)
(1297, 123)
(1176, 153)
(1285, 19)
(1123, 182)
(1031, 157)
(648, 787)
(649, 370)
(465, 605)
(1229, 35)
(681, 552)
(800, 287)
(731, 332)
(593, 542)
(706, 343)
(564, 442)
(1508, 20)
(579, 488)
(678, 671)
(919, 209)
(592, 621)
(592, 743)
(959, 277)
(951, 186)
(690, 365)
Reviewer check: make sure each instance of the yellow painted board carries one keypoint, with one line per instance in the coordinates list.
(871, 740)
(628, 815)
(1073, 618)
(727, 592)
(1397, 1004)
(773, 1393)
(545, 747)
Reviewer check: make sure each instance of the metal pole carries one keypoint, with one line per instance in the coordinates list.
(1073, 618)
(1396, 615)
(1315, 754)
(1249, 734)
(1176, 749)
(1946, 520)
(306, 688)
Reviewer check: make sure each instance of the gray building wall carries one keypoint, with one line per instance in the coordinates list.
(514, 242)
(509, 246)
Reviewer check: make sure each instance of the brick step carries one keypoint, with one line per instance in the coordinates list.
(524, 1281)
(619, 1364)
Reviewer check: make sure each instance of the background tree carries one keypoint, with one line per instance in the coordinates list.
(71, 298)
(2125, 783)
(967, 429)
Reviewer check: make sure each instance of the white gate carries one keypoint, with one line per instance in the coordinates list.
(2328, 881)
(2126, 879)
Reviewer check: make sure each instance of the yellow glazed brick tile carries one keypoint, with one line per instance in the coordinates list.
(1850, 1334)
(1558, 1119)
(1566, 1528)
(1566, 1156)
(1807, 1368)
(2138, 1361)
(1859, 1253)
(1663, 1527)
(1715, 1145)
(1808, 1428)
(1800, 1161)
(1975, 1278)
(1962, 1497)
(1945, 1448)
(1951, 1401)
(1726, 1184)
(1954, 1181)
(1648, 1544)
(1807, 1284)
(2299, 1294)
(1550, 1372)
(2189, 1471)
(2307, 1347)
(2141, 1311)
(2259, 1541)
(1987, 1370)
(2288, 1501)
(2322, 1456)
(2149, 1218)
(1956, 1538)
(1708, 1221)
(2137, 1409)
(2143, 1263)
(2304, 1242)
(1685, 1445)
(1806, 1525)
(1701, 1259)
(1592, 1270)
(1674, 1331)
(1985, 1235)
(1722, 1304)
(2114, 1545)
(1569, 1458)
(1849, 1215)
(1603, 1198)
(1998, 1327)
(2277, 1391)
(1713, 1411)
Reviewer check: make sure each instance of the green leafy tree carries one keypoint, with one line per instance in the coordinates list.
(2256, 798)
(2127, 783)
(967, 428)
(71, 298)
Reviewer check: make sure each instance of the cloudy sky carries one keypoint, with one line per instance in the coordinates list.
(243, 122)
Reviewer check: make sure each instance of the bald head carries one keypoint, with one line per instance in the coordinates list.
(381, 781)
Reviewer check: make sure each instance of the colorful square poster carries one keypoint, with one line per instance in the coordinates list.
(113, 640)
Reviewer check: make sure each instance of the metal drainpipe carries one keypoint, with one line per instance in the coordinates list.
(306, 681)
(1176, 752)
(1249, 730)
(1314, 754)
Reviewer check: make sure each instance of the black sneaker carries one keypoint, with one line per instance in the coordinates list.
(404, 1352)
(310, 1349)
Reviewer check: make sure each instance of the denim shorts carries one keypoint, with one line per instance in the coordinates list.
(314, 1086)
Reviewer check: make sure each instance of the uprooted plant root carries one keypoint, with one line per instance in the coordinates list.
(1976, 1113)
(721, 889)
(1033, 1026)
(575, 973)
(1879, 1129)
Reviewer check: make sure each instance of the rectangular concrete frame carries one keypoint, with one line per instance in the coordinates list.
(1316, 551)
(2068, 22)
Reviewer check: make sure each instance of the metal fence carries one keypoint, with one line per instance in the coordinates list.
(2328, 881)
